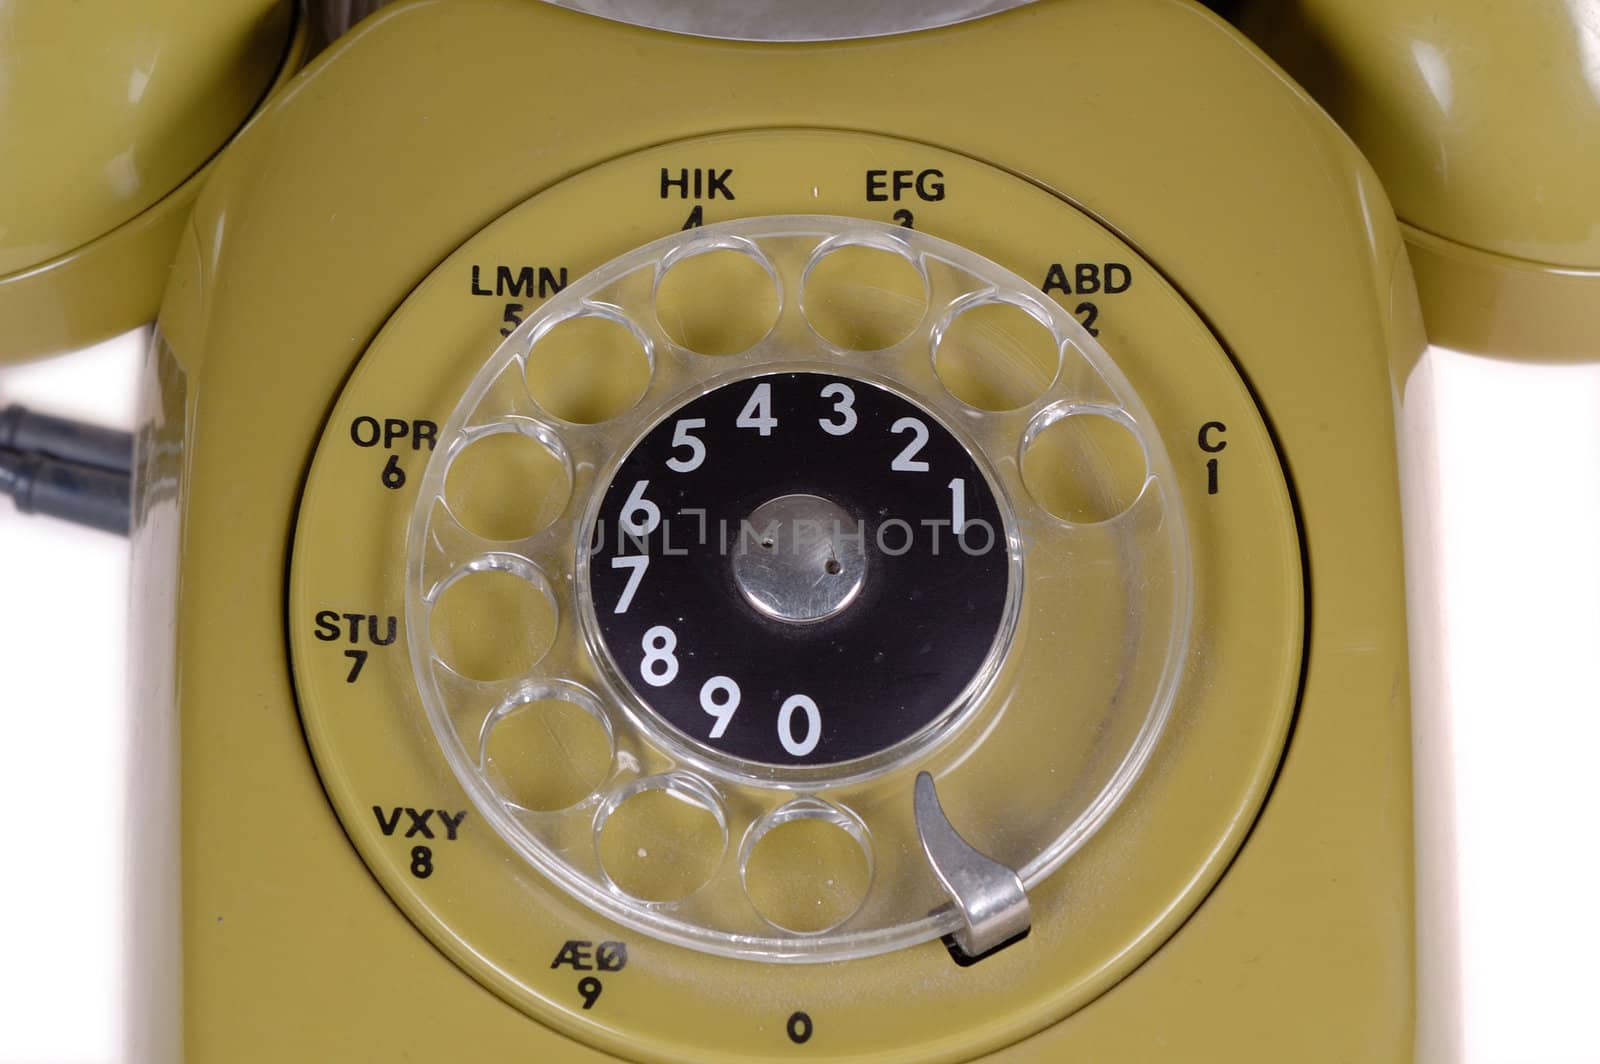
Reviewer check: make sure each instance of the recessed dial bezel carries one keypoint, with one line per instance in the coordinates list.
(1184, 820)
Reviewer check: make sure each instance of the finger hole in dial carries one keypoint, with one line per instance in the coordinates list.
(507, 484)
(494, 619)
(661, 838)
(1084, 466)
(996, 355)
(717, 301)
(862, 297)
(547, 748)
(806, 866)
(588, 368)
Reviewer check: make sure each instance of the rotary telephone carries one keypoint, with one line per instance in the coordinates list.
(660, 539)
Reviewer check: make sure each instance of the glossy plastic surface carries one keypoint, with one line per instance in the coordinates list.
(108, 105)
(1483, 120)
(109, 111)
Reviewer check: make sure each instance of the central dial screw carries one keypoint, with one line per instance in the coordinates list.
(800, 559)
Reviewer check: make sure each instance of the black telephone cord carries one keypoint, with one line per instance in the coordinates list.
(80, 473)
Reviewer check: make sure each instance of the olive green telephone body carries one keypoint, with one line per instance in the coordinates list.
(1482, 124)
(1210, 833)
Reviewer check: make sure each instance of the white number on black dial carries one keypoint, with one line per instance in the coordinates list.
(683, 438)
(907, 461)
(843, 421)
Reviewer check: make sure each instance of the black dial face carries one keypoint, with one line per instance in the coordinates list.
(799, 569)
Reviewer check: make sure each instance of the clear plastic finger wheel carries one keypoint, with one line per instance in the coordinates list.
(747, 530)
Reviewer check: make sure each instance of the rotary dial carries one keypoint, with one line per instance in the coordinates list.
(780, 537)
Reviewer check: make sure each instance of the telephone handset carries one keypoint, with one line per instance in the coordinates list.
(1482, 127)
(111, 118)
(703, 549)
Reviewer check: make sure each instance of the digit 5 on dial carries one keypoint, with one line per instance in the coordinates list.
(816, 587)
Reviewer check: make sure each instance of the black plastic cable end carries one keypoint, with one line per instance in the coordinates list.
(83, 494)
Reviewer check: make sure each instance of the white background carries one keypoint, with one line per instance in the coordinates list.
(63, 743)
(1508, 637)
